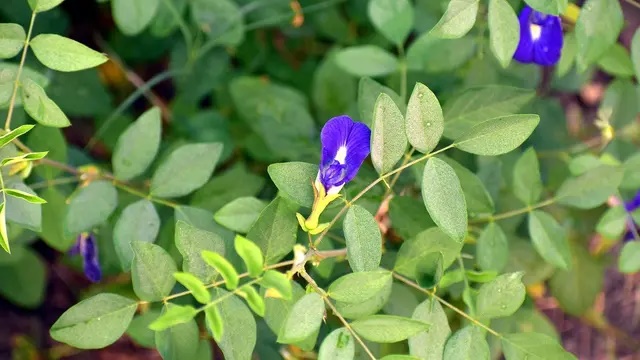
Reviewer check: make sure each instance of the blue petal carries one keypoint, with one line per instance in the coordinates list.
(75, 249)
(90, 258)
(524, 51)
(548, 48)
(633, 204)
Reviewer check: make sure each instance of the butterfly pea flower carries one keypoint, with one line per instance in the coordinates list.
(540, 38)
(345, 146)
(632, 227)
(86, 247)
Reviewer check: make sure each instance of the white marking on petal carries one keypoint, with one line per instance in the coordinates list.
(335, 189)
(341, 155)
(536, 31)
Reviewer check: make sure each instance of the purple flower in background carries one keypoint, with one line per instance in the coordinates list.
(345, 145)
(540, 38)
(86, 247)
(631, 206)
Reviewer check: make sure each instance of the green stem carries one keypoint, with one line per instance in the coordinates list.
(7, 123)
(184, 29)
(228, 295)
(511, 213)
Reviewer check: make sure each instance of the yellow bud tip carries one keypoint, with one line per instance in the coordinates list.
(571, 13)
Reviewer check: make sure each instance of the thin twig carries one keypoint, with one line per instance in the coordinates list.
(511, 213)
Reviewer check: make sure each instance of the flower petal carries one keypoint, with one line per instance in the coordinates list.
(633, 204)
(548, 48)
(524, 51)
(90, 258)
(358, 148)
(334, 135)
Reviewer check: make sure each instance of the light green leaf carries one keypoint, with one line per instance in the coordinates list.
(190, 242)
(278, 281)
(457, 20)
(294, 180)
(186, 169)
(131, 17)
(425, 122)
(179, 341)
(94, 323)
(303, 320)
(359, 286)
(34, 199)
(23, 158)
(527, 183)
(40, 107)
(278, 309)
(275, 230)
(240, 214)
(254, 300)
(152, 271)
(392, 18)
(23, 213)
(499, 135)
(444, 199)
(7, 81)
(554, 7)
(223, 267)
(613, 222)
(501, 297)
(12, 38)
(138, 145)
(429, 241)
(616, 61)
(597, 29)
(533, 346)
(549, 239)
(590, 189)
(43, 5)
(635, 53)
(53, 215)
(430, 344)
(239, 336)
(467, 343)
(364, 242)
(523, 257)
(368, 92)
(221, 20)
(629, 261)
(173, 315)
(476, 195)
(90, 206)
(15, 133)
(24, 278)
(366, 60)
(388, 328)
(193, 284)
(504, 30)
(568, 55)
(631, 176)
(250, 254)
(48, 139)
(338, 345)
(63, 54)
(492, 248)
(388, 138)
(138, 222)
(214, 321)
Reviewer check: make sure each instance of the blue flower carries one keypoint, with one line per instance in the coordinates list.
(540, 38)
(86, 247)
(631, 206)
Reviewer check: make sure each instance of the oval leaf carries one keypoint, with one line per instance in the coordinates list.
(222, 266)
(90, 206)
(388, 328)
(294, 180)
(366, 60)
(388, 139)
(250, 254)
(138, 145)
(364, 242)
(430, 344)
(533, 346)
(392, 18)
(303, 320)
(492, 248)
(549, 239)
(63, 54)
(140, 222)
(501, 297)
(193, 284)
(467, 344)
(12, 38)
(457, 20)
(499, 135)
(425, 122)
(151, 271)
(40, 107)
(173, 315)
(504, 30)
(360, 286)
(338, 345)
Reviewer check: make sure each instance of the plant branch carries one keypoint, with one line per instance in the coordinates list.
(511, 213)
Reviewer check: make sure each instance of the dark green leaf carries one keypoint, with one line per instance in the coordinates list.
(629, 261)
(368, 92)
(617, 62)
(549, 239)
(138, 145)
(275, 230)
(24, 279)
(90, 207)
(533, 346)
(425, 122)
(527, 184)
(364, 242)
(43, 5)
(613, 222)
(138, 222)
(477, 197)
(590, 189)
(152, 271)
(429, 241)
(597, 29)
(303, 320)
(635, 52)
(49, 139)
(555, 7)
(366, 60)
(240, 214)
(392, 18)
(294, 180)
(388, 138)
(221, 20)
(239, 336)
(429, 270)
(492, 248)
(190, 242)
(388, 328)
(430, 344)
(132, 17)
(359, 286)
(53, 214)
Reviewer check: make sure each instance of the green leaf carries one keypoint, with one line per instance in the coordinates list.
(223, 267)
(504, 30)
(429, 270)
(613, 223)
(467, 343)
(173, 315)
(44, 138)
(40, 107)
(138, 145)
(23, 158)
(24, 279)
(240, 214)
(527, 183)
(193, 284)
(568, 55)
(476, 195)
(254, 300)
(3, 229)
(43, 5)
(492, 248)
(15, 133)
(221, 20)
(409, 216)
(533, 346)
(53, 214)
(359, 286)
(499, 135)
(635, 53)
(131, 17)
(392, 18)
(478, 104)
(7, 81)
(275, 230)
(457, 20)
(63, 54)
(629, 260)
(597, 29)
(139, 330)
(190, 241)
(501, 297)
(94, 323)
(152, 271)
(388, 138)
(429, 241)
(444, 199)
(425, 122)
(590, 189)
(294, 180)
(303, 320)
(250, 254)
(631, 176)
(90, 206)
(430, 344)
(388, 328)
(179, 341)
(368, 92)
(138, 222)
(12, 38)
(278, 309)
(239, 336)
(186, 169)
(366, 60)
(273, 279)
(338, 345)
(23, 213)
(549, 239)
(364, 242)
(214, 321)
(34, 199)
(554, 7)
(617, 62)
(435, 55)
